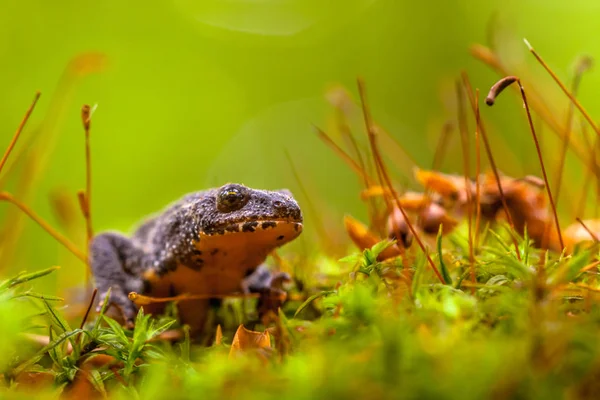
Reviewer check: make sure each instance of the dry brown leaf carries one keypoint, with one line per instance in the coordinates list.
(100, 360)
(375, 191)
(219, 336)
(170, 335)
(34, 381)
(409, 200)
(443, 184)
(245, 340)
(81, 388)
(365, 239)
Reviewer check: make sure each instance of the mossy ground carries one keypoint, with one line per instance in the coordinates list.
(525, 329)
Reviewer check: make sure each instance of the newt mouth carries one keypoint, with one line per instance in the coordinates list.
(252, 226)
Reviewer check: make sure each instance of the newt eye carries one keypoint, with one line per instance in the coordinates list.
(231, 199)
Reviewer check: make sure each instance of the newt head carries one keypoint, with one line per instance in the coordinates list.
(249, 220)
(235, 208)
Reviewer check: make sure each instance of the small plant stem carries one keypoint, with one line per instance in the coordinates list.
(347, 133)
(539, 153)
(4, 196)
(580, 210)
(477, 170)
(565, 143)
(383, 174)
(85, 197)
(17, 133)
(491, 59)
(86, 118)
(488, 150)
(564, 88)
(316, 216)
(464, 139)
(87, 312)
(345, 157)
(494, 92)
(588, 230)
(90, 305)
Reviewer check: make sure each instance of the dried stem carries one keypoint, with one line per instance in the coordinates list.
(355, 167)
(540, 158)
(488, 57)
(564, 88)
(592, 234)
(371, 133)
(4, 196)
(488, 150)
(19, 130)
(381, 168)
(87, 312)
(319, 225)
(90, 305)
(582, 67)
(477, 169)
(86, 119)
(544, 174)
(347, 133)
(464, 139)
(580, 210)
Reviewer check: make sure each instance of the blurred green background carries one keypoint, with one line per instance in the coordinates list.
(195, 94)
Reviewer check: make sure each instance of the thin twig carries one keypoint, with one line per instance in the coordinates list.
(488, 57)
(580, 210)
(5, 196)
(86, 119)
(462, 123)
(90, 305)
(347, 133)
(539, 152)
(319, 225)
(19, 130)
(87, 312)
(569, 124)
(495, 91)
(381, 169)
(488, 150)
(353, 165)
(564, 88)
(588, 230)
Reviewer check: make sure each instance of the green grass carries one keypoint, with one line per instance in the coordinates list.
(521, 331)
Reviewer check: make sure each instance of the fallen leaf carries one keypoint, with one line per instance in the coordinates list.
(365, 239)
(82, 386)
(219, 336)
(245, 340)
(446, 185)
(33, 381)
(375, 191)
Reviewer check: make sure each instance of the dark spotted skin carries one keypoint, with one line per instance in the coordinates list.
(221, 234)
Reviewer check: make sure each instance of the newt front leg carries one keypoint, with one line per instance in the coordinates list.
(109, 253)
